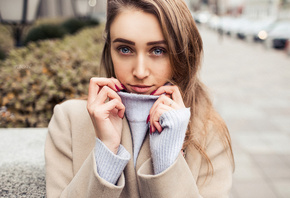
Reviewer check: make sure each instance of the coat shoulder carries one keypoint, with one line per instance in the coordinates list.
(75, 111)
(73, 107)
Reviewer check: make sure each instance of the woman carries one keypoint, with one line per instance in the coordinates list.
(149, 129)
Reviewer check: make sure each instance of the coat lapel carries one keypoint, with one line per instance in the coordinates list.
(131, 186)
(144, 153)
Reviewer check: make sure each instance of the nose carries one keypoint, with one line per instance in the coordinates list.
(141, 69)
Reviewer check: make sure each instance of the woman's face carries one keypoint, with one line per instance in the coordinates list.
(139, 52)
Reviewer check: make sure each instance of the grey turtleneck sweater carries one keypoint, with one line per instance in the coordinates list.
(164, 146)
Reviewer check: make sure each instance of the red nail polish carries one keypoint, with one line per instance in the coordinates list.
(117, 87)
(153, 92)
(123, 87)
(148, 118)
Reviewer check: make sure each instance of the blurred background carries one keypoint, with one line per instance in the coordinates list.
(49, 49)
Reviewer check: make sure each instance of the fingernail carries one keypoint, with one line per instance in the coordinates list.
(153, 92)
(117, 87)
(123, 87)
(160, 131)
(148, 118)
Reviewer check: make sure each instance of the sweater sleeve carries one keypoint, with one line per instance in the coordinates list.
(166, 146)
(110, 166)
(190, 176)
(61, 180)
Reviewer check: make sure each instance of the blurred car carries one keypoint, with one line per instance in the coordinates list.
(245, 27)
(278, 36)
(261, 29)
(202, 17)
(214, 22)
(226, 24)
(250, 28)
(234, 26)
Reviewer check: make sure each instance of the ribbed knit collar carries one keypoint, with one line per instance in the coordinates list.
(137, 110)
(137, 105)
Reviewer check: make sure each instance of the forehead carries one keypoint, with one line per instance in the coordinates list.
(137, 26)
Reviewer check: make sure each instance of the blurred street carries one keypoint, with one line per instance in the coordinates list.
(250, 87)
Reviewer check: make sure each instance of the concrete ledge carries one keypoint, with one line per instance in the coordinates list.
(22, 172)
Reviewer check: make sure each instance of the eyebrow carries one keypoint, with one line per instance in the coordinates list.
(121, 40)
(157, 42)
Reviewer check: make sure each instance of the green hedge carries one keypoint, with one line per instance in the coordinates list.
(37, 77)
(73, 25)
(44, 31)
(57, 29)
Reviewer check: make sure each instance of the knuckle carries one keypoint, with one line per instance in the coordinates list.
(115, 101)
(158, 106)
(162, 97)
(112, 80)
(93, 79)
(105, 88)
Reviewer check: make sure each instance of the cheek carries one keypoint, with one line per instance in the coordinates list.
(169, 71)
(120, 67)
(163, 70)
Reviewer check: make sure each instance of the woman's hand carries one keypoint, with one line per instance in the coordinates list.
(106, 114)
(170, 99)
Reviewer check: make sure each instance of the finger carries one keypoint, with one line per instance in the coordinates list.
(161, 108)
(117, 83)
(152, 111)
(115, 104)
(103, 111)
(110, 82)
(106, 92)
(93, 90)
(173, 91)
(164, 100)
(96, 84)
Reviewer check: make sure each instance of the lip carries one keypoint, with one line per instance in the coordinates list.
(141, 88)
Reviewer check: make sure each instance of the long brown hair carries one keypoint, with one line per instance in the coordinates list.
(185, 51)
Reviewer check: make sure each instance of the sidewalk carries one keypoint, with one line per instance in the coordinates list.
(22, 171)
(250, 88)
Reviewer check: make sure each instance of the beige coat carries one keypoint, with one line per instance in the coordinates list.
(71, 169)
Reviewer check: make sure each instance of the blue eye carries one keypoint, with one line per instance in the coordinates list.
(124, 50)
(158, 51)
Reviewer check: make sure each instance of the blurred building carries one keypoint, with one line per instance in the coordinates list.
(250, 8)
(64, 8)
(221, 7)
(218, 7)
(261, 8)
(278, 9)
(256, 9)
(284, 9)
